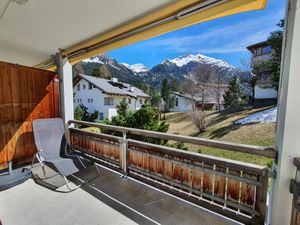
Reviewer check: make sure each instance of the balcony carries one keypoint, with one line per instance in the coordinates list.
(111, 199)
(189, 181)
(145, 183)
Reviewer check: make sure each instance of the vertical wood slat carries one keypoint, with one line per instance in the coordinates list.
(101, 146)
(207, 180)
(24, 95)
(237, 190)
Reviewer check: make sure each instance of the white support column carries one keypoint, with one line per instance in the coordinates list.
(65, 89)
(288, 126)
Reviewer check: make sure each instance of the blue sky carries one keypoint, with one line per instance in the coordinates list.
(225, 38)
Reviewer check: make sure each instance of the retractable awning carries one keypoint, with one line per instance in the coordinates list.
(32, 32)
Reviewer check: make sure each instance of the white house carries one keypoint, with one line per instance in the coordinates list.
(184, 103)
(103, 95)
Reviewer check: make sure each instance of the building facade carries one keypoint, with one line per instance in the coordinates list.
(185, 103)
(261, 54)
(102, 95)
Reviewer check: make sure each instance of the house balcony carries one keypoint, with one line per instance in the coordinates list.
(144, 183)
(110, 199)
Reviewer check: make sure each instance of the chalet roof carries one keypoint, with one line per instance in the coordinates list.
(114, 88)
(259, 44)
(196, 97)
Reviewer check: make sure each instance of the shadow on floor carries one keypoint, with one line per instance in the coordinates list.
(139, 202)
(146, 205)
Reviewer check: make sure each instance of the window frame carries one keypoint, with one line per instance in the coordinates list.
(107, 101)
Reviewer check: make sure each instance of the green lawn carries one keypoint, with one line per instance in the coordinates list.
(222, 127)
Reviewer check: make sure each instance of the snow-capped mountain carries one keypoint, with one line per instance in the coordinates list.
(177, 69)
(136, 68)
(182, 67)
(185, 59)
(106, 60)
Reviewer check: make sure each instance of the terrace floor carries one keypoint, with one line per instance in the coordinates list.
(109, 199)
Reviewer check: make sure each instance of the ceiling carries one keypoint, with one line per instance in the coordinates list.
(31, 32)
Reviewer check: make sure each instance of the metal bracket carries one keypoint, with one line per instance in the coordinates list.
(294, 188)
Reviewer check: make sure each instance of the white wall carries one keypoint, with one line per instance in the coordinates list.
(184, 105)
(98, 100)
(288, 123)
(264, 93)
(65, 88)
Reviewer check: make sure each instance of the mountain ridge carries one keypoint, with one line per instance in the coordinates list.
(177, 69)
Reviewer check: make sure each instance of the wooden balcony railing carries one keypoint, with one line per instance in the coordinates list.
(295, 190)
(235, 189)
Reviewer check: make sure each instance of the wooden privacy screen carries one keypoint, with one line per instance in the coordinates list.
(25, 94)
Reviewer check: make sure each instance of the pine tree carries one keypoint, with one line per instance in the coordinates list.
(275, 40)
(233, 96)
(166, 94)
(155, 98)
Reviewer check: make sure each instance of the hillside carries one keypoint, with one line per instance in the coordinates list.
(223, 127)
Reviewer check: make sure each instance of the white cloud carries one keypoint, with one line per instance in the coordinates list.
(219, 39)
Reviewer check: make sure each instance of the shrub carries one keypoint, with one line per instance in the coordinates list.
(81, 113)
(199, 120)
(146, 118)
(182, 146)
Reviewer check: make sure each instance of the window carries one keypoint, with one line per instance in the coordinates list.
(108, 101)
(88, 100)
(129, 100)
(101, 116)
(78, 87)
(258, 51)
(141, 101)
(77, 100)
(254, 52)
(90, 86)
(176, 102)
(80, 100)
(92, 100)
(83, 86)
(266, 50)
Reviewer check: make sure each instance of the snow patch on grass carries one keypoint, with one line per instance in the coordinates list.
(266, 116)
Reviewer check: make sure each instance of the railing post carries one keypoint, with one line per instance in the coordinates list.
(262, 196)
(124, 154)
